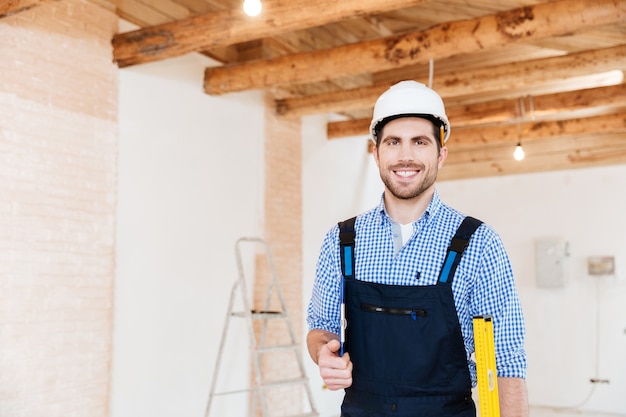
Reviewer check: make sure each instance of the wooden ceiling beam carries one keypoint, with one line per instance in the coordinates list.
(228, 27)
(440, 41)
(548, 146)
(541, 107)
(9, 7)
(548, 155)
(529, 131)
(506, 111)
(456, 84)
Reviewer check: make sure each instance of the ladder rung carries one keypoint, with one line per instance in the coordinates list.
(273, 384)
(236, 391)
(255, 314)
(276, 348)
(268, 384)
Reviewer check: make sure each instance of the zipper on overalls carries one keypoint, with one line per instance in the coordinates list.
(414, 313)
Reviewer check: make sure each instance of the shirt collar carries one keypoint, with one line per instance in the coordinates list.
(432, 209)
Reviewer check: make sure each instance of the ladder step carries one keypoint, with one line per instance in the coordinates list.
(236, 391)
(265, 385)
(262, 349)
(257, 314)
(284, 382)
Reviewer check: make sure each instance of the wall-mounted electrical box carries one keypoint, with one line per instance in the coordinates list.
(551, 262)
(601, 265)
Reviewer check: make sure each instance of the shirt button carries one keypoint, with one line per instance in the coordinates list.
(392, 407)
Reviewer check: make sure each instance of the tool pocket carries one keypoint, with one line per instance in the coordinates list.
(402, 337)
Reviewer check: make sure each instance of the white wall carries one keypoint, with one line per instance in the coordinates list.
(585, 207)
(190, 184)
(576, 332)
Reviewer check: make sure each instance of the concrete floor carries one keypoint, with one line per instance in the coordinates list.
(556, 412)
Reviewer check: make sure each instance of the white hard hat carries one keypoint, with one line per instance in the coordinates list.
(409, 98)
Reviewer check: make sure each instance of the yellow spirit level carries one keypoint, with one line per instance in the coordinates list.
(488, 402)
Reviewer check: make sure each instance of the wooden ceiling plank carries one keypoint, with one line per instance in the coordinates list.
(504, 55)
(358, 98)
(140, 13)
(347, 128)
(598, 37)
(171, 8)
(506, 111)
(536, 72)
(451, 85)
(441, 41)
(228, 27)
(225, 54)
(197, 6)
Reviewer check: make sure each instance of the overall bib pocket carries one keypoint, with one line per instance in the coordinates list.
(400, 335)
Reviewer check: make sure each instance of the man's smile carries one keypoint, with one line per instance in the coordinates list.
(406, 173)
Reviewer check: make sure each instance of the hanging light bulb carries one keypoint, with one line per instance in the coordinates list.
(252, 7)
(519, 152)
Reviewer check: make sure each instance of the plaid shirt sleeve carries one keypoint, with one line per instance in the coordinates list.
(323, 310)
(495, 294)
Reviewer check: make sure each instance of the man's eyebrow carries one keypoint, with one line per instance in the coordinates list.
(423, 137)
(396, 137)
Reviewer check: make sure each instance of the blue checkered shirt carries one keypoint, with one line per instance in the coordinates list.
(483, 283)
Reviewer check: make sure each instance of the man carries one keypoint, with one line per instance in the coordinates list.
(409, 336)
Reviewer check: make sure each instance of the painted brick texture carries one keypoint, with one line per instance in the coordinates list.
(283, 232)
(58, 138)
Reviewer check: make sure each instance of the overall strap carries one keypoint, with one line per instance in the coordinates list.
(346, 246)
(460, 241)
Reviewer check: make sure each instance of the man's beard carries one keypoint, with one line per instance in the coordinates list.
(403, 192)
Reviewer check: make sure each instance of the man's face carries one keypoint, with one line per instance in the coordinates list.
(408, 157)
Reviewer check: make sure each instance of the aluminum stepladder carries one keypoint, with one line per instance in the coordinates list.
(258, 347)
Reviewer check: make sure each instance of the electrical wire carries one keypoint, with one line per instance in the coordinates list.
(576, 407)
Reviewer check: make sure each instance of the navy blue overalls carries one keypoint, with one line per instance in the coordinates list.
(405, 342)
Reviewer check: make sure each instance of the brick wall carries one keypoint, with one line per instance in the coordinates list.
(58, 135)
(283, 232)
(283, 205)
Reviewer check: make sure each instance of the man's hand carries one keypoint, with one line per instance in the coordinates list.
(335, 370)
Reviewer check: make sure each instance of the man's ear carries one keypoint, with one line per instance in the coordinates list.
(443, 155)
(375, 153)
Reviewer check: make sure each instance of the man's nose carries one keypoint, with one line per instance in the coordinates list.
(406, 152)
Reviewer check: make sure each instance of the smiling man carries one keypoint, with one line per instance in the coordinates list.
(384, 283)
